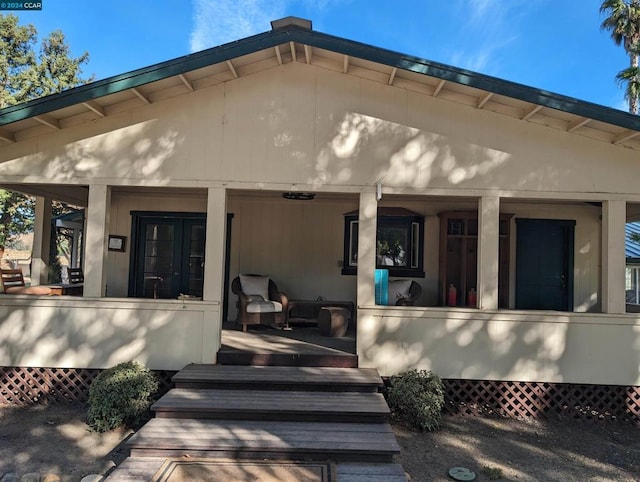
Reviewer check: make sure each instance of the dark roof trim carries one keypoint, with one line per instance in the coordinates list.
(293, 33)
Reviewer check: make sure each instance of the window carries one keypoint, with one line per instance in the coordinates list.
(399, 242)
(632, 285)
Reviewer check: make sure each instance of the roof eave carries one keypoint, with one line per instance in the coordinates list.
(229, 51)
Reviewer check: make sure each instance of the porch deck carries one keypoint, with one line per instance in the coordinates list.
(298, 346)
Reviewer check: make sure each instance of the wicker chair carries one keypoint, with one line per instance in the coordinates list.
(255, 308)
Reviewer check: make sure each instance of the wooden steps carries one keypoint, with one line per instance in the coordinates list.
(271, 413)
(265, 440)
(249, 358)
(272, 405)
(279, 378)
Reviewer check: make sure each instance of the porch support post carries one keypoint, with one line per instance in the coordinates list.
(367, 221)
(488, 249)
(215, 245)
(214, 258)
(614, 215)
(41, 241)
(97, 230)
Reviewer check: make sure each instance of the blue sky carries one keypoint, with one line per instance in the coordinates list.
(555, 45)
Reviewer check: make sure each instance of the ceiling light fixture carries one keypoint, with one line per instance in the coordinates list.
(299, 196)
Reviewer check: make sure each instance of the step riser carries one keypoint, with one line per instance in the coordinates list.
(269, 359)
(274, 417)
(252, 454)
(270, 386)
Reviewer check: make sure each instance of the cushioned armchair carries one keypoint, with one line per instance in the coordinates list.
(259, 301)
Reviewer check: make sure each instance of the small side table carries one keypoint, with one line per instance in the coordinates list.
(333, 321)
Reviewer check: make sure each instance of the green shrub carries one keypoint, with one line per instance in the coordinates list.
(121, 396)
(416, 398)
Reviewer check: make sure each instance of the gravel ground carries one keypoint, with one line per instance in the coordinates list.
(55, 440)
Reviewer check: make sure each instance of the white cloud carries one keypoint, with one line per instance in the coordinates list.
(487, 27)
(220, 21)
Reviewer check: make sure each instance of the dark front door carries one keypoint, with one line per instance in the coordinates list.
(167, 255)
(544, 264)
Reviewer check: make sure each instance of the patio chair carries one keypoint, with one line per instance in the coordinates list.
(404, 292)
(12, 283)
(259, 301)
(75, 276)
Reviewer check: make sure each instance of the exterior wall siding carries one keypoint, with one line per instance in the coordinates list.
(505, 345)
(69, 332)
(300, 127)
(305, 126)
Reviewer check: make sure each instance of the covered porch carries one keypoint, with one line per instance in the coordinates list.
(304, 246)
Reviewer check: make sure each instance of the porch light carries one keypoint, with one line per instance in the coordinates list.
(299, 196)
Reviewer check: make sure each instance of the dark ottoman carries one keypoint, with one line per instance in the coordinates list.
(333, 321)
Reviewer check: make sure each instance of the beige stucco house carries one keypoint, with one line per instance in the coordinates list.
(518, 194)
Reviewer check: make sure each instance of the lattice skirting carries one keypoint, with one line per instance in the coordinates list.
(543, 400)
(30, 386)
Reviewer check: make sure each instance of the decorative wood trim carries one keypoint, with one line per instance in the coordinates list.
(278, 54)
(577, 124)
(232, 69)
(345, 65)
(392, 76)
(307, 54)
(484, 100)
(187, 83)
(94, 107)
(294, 55)
(439, 87)
(140, 96)
(625, 136)
(48, 121)
(531, 112)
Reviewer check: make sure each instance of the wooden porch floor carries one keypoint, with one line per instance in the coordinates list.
(298, 346)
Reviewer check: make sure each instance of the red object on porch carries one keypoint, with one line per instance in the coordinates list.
(472, 298)
(452, 296)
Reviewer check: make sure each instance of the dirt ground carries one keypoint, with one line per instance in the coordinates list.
(55, 439)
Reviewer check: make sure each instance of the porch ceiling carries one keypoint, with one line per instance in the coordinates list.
(294, 44)
(74, 195)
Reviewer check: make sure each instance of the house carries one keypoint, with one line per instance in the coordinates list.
(510, 203)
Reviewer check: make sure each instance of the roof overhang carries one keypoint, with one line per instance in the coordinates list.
(292, 40)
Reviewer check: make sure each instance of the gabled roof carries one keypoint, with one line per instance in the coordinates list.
(293, 42)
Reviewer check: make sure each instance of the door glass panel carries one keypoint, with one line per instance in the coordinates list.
(158, 260)
(196, 260)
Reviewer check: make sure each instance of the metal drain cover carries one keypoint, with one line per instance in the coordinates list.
(462, 473)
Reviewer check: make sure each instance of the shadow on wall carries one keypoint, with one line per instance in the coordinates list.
(365, 149)
(91, 337)
(136, 151)
(540, 347)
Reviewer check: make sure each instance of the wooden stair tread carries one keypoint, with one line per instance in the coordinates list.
(353, 472)
(233, 375)
(298, 437)
(144, 468)
(271, 402)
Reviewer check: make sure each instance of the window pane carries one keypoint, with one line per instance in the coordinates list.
(353, 246)
(631, 284)
(392, 244)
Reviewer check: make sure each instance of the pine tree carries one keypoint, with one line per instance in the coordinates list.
(24, 75)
